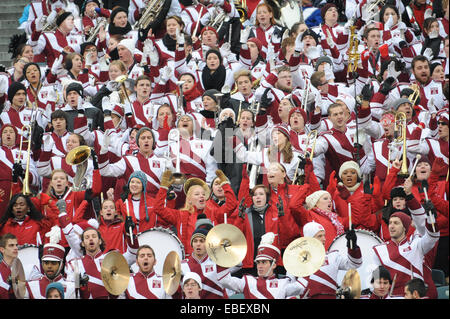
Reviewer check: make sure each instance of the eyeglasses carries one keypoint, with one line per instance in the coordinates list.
(442, 123)
(323, 83)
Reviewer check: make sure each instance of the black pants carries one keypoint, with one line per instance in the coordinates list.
(441, 260)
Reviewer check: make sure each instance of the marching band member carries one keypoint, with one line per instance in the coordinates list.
(9, 250)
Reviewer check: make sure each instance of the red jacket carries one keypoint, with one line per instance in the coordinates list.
(26, 232)
(215, 212)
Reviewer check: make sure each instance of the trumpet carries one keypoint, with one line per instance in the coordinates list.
(400, 136)
(219, 18)
(353, 54)
(306, 95)
(93, 32)
(174, 138)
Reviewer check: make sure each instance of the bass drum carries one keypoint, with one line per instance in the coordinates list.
(163, 241)
(29, 257)
(366, 240)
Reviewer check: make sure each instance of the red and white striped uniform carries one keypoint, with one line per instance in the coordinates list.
(23, 116)
(7, 158)
(36, 288)
(148, 286)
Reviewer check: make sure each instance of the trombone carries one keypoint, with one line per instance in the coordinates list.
(174, 138)
(400, 136)
(26, 180)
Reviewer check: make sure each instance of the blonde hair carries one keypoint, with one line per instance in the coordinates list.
(188, 206)
(122, 67)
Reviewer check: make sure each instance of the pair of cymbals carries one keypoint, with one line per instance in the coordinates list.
(304, 256)
(171, 273)
(115, 273)
(18, 279)
(226, 245)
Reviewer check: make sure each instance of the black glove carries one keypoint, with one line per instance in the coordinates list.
(302, 160)
(84, 280)
(280, 207)
(129, 223)
(367, 92)
(367, 189)
(387, 85)
(94, 159)
(88, 195)
(126, 192)
(403, 44)
(265, 101)
(142, 34)
(38, 133)
(18, 171)
(429, 207)
(424, 185)
(350, 235)
(242, 208)
(2, 68)
(170, 194)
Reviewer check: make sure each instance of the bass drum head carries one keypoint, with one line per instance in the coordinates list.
(366, 240)
(29, 257)
(163, 241)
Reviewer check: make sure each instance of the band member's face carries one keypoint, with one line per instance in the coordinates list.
(136, 186)
(325, 203)
(244, 85)
(114, 72)
(8, 137)
(213, 61)
(323, 86)
(68, 24)
(438, 74)
(124, 54)
(254, 52)
(59, 182)
(381, 287)
(209, 38)
(407, 109)
(349, 177)
(226, 113)
(77, 63)
(199, 246)
(388, 125)
(396, 229)
(11, 249)
(143, 88)
(264, 266)
(191, 289)
(284, 81)
(442, 130)
(434, 26)
(72, 142)
(115, 119)
(279, 139)
(263, 15)
(423, 171)
(390, 12)
(90, 9)
(146, 142)
(92, 51)
(188, 82)
(108, 211)
(373, 39)
(209, 104)
(171, 27)
(337, 117)
(275, 175)
(28, 53)
(164, 111)
(59, 124)
(198, 197)
(259, 197)
(19, 98)
(146, 260)
(186, 125)
(91, 242)
(399, 203)
(217, 189)
(421, 71)
(308, 41)
(72, 98)
(409, 294)
(54, 294)
(283, 108)
(33, 74)
(290, 49)
(296, 121)
(120, 20)
(246, 120)
(20, 208)
(50, 268)
(331, 15)
(320, 235)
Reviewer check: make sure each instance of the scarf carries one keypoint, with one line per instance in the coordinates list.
(333, 217)
(191, 95)
(112, 29)
(169, 42)
(214, 80)
(354, 188)
(218, 201)
(133, 145)
(260, 210)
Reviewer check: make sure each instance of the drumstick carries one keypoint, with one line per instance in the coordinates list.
(350, 221)
(198, 22)
(429, 212)
(393, 285)
(418, 156)
(130, 231)
(225, 218)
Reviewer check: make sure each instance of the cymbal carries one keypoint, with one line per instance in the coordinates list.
(121, 78)
(304, 256)
(171, 273)
(352, 281)
(226, 245)
(115, 273)
(18, 279)
(197, 181)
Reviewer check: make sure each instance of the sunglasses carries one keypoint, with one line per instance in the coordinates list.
(442, 123)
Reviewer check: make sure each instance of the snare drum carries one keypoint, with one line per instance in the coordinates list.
(163, 241)
(29, 257)
(365, 240)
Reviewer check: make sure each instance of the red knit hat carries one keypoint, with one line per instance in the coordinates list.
(283, 128)
(208, 28)
(118, 110)
(257, 42)
(406, 220)
(298, 110)
(325, 8)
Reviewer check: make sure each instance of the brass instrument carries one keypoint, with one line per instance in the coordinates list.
(415, 94)
(180, 100)
(49, 27)
(254, 171)
(300, 179)
(400, 136)
(304, 256)
(306, 95)
(93, 32)
(123, 91)
(152, 10)
(174, 138)
(218, 19)
(26, 180)
(171, 273)
(373, 7)
(241, 7)
(353, 54)
(79, 157)
(115, 273)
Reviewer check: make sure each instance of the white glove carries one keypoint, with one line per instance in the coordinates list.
(389, 23)
(431, 106)
(276, 38)
(165, 74)
(365, 14)
(40, 22)
(391, 71)
(433, 34)
(245, 33)
(401, 26)
(270, 55)
(52, 17)
(428, 53)
(329, 75)
(225, 49)
(299, 43)
(313, 53)
(428, 14)
(349, 23)
(3, 84)
(89, 59)
(54, 235)
(103, 63)
(106, 104)
(113, 86)
(105, 144)
(330, 41)
(180, 37)
(49, 143)
(127, 108)
(205, 18)
(57, 65)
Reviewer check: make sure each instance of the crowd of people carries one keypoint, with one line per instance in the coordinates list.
(328, 121)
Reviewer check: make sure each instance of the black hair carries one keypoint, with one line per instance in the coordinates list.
(33, 212)
(417, 284)
(102, 245)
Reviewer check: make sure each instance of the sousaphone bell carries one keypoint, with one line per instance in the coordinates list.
(304, 256)
(226, 245)
(171, 273)
(115, 273)
(79, 157)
